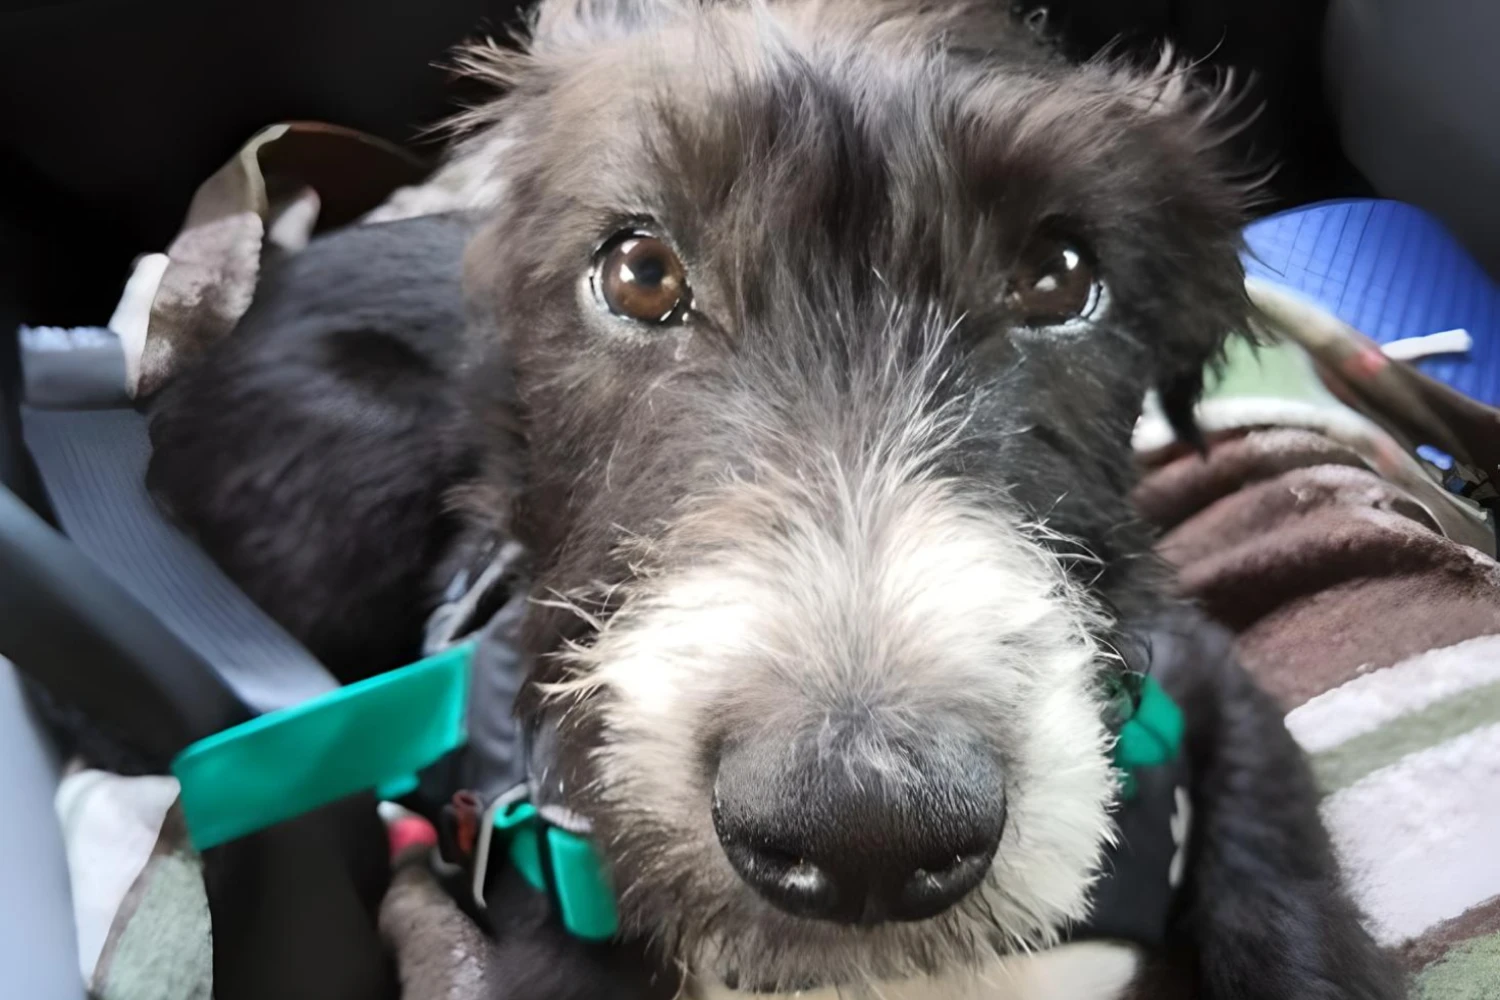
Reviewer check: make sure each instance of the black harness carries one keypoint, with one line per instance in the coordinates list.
(1136, 896)
(506, 764)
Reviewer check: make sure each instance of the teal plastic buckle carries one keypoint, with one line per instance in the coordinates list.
(377, 734)
(559, 862)
(1151, 736)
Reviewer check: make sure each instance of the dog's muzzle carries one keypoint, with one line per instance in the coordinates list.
(827, 832)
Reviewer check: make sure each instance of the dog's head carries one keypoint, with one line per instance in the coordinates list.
(826, 325)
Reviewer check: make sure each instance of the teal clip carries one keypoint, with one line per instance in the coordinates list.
(584, 897)
(1151, 736)
(376, 734)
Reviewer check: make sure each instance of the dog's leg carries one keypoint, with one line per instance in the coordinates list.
(1267, 915)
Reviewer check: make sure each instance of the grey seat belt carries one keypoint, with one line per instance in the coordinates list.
(130, 624)
(91, 450)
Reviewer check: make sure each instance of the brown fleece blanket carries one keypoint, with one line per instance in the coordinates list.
(1324, 569)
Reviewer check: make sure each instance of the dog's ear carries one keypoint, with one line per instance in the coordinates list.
(1206, 199)
(1179, 401)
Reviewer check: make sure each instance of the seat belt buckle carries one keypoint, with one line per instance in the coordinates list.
(374, 735)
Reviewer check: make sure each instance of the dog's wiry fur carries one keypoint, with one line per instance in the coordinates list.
(828, 575)
(851, 500)
(823, 499)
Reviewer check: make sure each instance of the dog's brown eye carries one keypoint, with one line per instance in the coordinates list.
(639, 277)
(1054, 282)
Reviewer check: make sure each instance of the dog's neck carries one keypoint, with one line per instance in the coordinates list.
(1086, 971)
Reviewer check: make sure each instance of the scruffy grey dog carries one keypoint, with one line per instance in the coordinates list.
(806, 342)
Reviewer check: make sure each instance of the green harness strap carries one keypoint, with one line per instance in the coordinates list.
(1151, 736)
(378, 734)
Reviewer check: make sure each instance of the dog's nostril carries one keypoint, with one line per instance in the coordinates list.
(793, 883)
(930, 891)
(777, 856)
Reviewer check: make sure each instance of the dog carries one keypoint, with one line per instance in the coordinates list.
(801, 348)
(320, 439)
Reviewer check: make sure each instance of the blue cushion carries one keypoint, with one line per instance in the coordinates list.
(1391, 271)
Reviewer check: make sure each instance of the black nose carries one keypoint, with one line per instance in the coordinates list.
(839, 835)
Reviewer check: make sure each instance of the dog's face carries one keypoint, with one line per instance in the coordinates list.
(826, 326)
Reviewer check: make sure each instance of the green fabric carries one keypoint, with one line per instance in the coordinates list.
(1279, 370)
(165, 951)
(1471, 971)
(1439, 722)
